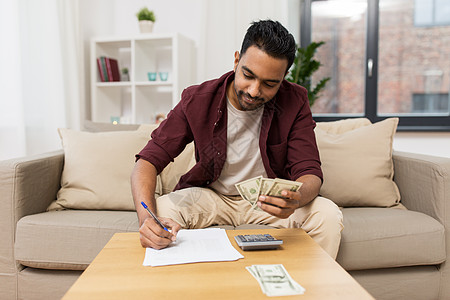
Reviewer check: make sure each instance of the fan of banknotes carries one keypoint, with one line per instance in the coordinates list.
(251, 189)
(274, 280)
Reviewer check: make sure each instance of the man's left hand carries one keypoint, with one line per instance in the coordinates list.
(280, 207)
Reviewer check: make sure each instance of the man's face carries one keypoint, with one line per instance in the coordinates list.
(257, 80)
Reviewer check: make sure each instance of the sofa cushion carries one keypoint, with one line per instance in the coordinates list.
(71, 239)
(357, 162)
(68, 239)
(97, 168)
(375, 237)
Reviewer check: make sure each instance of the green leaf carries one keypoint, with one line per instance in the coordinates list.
(145, 14)
(304, 67)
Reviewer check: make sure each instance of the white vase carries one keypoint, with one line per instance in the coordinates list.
(146, 26)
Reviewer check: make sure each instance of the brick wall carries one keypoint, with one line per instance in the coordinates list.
(412, 59)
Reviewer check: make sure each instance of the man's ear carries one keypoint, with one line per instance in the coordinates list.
(236, 60)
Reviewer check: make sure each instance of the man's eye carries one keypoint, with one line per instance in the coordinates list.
(247, 76)
(270, 85)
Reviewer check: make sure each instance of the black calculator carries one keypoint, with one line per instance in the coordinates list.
(257, 242)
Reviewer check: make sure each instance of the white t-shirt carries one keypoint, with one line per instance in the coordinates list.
(244, 159)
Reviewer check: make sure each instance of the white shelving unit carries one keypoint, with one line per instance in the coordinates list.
(139, 100)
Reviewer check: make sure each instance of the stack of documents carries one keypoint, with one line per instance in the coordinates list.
(274, 280)
(194, 245)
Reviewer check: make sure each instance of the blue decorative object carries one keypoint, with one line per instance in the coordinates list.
(151, 76)
(163, 76)
(115, 120)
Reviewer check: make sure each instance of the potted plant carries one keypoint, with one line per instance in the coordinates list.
(302, 69)
(146, 20)
(125, 75)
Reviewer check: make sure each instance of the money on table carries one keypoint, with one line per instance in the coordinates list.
(274, 280)
(251, 189)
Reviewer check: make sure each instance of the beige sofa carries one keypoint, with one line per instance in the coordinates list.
(394, 253)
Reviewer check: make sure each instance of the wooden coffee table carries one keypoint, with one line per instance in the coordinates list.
(117, 272)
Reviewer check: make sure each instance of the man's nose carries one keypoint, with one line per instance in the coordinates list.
(254, 89)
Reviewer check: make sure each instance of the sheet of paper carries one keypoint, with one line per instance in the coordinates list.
(194, 245)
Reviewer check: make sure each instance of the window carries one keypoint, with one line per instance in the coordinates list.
(431, 12)
(381, 62)
(342, 25)
(430, 103)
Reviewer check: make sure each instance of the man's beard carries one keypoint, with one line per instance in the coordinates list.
(257, 102)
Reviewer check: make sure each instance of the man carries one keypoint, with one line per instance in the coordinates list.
(247, 123)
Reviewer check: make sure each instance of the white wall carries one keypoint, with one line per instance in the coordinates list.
(217, 27)
(431, 143)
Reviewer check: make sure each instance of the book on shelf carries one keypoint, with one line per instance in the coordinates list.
(113, 73)
(108, 69)
(100, 70)
(105, 72)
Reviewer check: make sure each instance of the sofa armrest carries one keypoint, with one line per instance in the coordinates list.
(424, 184)
(28, 185)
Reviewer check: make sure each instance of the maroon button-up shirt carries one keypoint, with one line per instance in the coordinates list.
(287, 141)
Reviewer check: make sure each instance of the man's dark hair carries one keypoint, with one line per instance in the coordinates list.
(272, 38)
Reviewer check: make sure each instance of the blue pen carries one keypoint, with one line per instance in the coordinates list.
(153, 216)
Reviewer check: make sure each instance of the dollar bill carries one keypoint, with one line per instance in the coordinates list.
(282, 184)
(274, 280)
(266, 184)
(249, 189)
(264, 187)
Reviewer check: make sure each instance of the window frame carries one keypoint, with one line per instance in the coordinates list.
(406, 122)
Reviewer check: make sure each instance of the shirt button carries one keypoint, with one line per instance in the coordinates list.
(215, 124)
(218, 153)
(208, 182)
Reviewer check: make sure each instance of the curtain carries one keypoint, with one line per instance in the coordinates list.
(41, 74)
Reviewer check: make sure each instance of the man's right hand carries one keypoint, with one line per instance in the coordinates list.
(153, 236)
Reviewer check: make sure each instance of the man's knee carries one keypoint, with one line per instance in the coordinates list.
(329, 213)
(167, 208)
(324, 224)
(191, 207)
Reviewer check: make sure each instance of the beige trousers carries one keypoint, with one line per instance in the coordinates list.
(203, 207)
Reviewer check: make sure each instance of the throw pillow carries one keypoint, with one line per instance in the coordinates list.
(102, 127)
(97, 168)
(341, 126)
(357, 163)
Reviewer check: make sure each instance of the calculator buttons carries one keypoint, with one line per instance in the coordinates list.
(257, 241)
